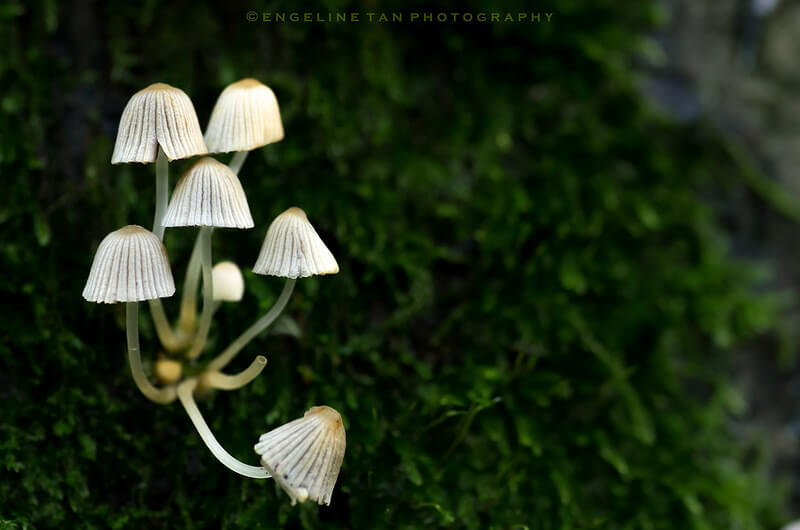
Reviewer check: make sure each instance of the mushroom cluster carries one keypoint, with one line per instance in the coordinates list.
(159, 124)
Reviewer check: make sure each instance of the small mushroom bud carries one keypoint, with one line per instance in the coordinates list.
(168, 371)
(227, 281)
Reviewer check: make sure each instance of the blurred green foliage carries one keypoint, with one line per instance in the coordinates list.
(533, 321)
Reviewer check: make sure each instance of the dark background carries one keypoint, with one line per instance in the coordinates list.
(538, 319)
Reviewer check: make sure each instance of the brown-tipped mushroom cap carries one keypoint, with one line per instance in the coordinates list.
(245, 117)
(293, 249)
(130, 265)
(305, 455)
(158, 115)
(209, 194)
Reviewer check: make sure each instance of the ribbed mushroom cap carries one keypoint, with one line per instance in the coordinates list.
(208, 194)
(245, 117)
(130, 265)
(227, 282)
(158, 115)
(293, 249)
(305, 455)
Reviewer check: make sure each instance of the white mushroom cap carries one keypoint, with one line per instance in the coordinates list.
(158, 115)
(227, 282)
(245, 117)
(130, 265)
(209, 194)
(293, 249)
(304, 456)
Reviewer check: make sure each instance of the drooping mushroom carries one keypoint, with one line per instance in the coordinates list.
(304, 456)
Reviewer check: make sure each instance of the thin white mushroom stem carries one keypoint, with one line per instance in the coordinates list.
(168, 338)
(208, 294)
(188, 315)
(237, 161)
(260, 325)
(163, 328)
(218, 380)
(162, 192)
(185, 391)
(159, 395)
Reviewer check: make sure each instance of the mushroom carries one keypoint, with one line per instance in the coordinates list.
(292, 249)
(208, 195)
(130, 266)
(245, 117)
(304, 456)
(159, 116)
(228, 282)
(159, 124)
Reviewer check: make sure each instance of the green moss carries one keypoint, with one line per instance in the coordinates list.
(534, 317)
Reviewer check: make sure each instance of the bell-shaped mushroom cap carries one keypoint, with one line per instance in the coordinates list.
(130, 265)
(158, 115)
(208, 194)
(227, 282)
(293, 249)
(305, 455)
(245, 117)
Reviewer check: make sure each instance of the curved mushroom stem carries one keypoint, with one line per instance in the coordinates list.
(185, 390)
(162, 192)
(237, 161)
(163, 328)
(188, 315)
(232, 382)
(260, 325)
(208, 294)
(159, 395)
(168, 338)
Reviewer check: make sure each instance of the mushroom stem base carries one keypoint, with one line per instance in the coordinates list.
(159, 395)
